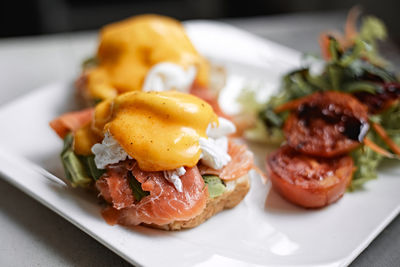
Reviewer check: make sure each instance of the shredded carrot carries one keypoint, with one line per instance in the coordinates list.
(324, 41)
(345, 40)
(350, 30)
(289, 105)
(377, 148)
(324, 45)
(385, 137)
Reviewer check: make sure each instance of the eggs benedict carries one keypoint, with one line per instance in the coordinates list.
(163, 159)
(146, 52)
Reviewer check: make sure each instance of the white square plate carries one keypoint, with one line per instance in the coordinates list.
(263, 230)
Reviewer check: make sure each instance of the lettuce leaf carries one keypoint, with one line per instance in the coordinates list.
(74, 169)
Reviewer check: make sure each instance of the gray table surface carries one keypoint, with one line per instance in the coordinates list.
(33, 235)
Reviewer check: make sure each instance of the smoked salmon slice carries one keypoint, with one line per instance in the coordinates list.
(162, 206)
(210, 97)
(114, 187)
(71, 121)
(242, 161)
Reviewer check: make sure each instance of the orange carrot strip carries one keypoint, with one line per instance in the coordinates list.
(385, 137)
(377, 148)
(289, 105)
(323, 41)
(350, 29)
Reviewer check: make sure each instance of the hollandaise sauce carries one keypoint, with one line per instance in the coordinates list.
(128, 49)
(160, 130)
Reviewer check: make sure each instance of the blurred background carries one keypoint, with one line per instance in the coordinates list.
(34, 17)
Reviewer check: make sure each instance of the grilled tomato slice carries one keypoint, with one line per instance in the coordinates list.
(381, 100)
(327, 124)
(308, 181)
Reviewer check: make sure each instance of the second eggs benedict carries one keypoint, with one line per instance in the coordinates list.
(142, 53)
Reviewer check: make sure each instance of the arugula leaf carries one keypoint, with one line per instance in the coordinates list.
(335, 76)
(360, 86)
(74, 169)
(68, 142)
(136, 187)
(366, 162)
(372, 29)
(271, 118)
(92, 168)
(334, 49)
(390, 121)
(353, 53)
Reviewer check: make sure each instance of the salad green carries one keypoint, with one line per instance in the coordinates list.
(75, 170)
(136, 187)
(351, 65)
